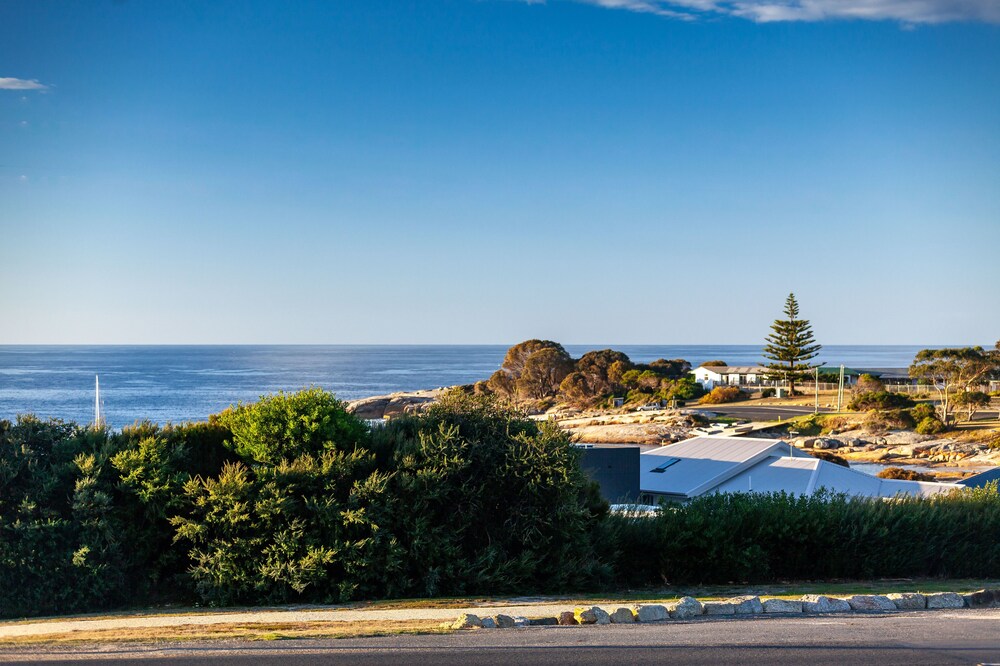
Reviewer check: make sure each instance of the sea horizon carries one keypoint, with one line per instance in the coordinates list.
(178, 383)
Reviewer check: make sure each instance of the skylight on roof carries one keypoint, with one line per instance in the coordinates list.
(662, 467)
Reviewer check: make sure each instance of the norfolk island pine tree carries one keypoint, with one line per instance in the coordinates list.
(790, 346)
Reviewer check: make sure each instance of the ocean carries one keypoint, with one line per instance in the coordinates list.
(187, 383)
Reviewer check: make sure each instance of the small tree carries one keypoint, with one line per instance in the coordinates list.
(952, 370)
(790, 346)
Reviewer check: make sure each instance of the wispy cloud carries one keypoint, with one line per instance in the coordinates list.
(765, 11)
(10, 83)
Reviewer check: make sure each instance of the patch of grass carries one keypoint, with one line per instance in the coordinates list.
(246, 632)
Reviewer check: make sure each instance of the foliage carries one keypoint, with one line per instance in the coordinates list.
(868, 384)
(790, 346)
(904, 474)
(768, 392)
(878, 421)
(714, 364)
(922, 411)
(879, 401)
(723, 394)
(287, 425)
(971, 401)
(931, 425)
(755, 538)
(952, 370)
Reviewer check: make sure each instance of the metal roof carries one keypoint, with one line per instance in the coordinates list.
(742, 464)
(981, 479)
(704, 462)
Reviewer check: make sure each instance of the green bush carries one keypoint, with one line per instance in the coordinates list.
(923, 411)
(880, 401)
(930, 426)
(904, 474)
(767, 393)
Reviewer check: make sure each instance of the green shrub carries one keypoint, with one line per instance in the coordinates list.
(723, 394)
(930, 426)
(923, 411)
(879, 400)
(767, 393)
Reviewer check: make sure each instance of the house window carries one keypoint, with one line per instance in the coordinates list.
(662, 467)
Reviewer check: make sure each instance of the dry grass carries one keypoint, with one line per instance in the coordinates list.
(246, 632)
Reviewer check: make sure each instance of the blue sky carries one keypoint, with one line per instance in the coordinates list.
(463, 171)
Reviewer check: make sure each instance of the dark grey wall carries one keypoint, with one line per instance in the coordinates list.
(616, 470)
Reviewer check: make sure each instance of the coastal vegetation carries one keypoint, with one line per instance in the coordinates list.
(537, 374)
(292, 499)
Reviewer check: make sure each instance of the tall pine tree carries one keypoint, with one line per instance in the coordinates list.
(790, 346)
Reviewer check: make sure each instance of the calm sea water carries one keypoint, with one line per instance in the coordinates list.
(186, 383)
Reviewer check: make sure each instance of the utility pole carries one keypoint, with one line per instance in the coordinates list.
(816, 385)
(840, 390)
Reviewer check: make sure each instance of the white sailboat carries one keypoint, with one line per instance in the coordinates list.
(98, 419)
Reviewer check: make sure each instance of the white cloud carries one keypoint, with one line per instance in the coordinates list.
(10, 83)
(765, 11)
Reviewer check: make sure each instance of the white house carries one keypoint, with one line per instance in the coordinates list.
(700, 465)
(729, 375)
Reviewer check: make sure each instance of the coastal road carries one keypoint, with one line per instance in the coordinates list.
(937, 637)
(762, 412)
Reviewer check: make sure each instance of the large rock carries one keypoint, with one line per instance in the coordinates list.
(747, 605)
(908, 600)
(945, 600)
(782, 606)
(585, 615)
(826, 443)
(983, 599)
(602, 615)
(489, 623)
(544, 621)
(623, 616)
(818, 603)
(719, 608)
(385, 406)
(685, 608)
(871, 602)
(504, 621)
(567, 618)
(651, 613)
(467, 621)
(521, 621)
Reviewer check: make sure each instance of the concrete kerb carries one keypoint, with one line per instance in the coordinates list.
(688, 608)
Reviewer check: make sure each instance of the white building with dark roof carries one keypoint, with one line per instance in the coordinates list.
(700, 465)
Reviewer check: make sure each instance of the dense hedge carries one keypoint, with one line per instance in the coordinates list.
(755, 538)
(292, 499)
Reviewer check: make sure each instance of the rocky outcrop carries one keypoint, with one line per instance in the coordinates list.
(387, 406)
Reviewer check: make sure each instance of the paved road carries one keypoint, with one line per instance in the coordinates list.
(941, 637)
(762, 412)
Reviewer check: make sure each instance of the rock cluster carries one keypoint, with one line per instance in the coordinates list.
(687, 608)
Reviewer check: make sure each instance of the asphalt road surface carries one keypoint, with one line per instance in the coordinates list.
(941, 637)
